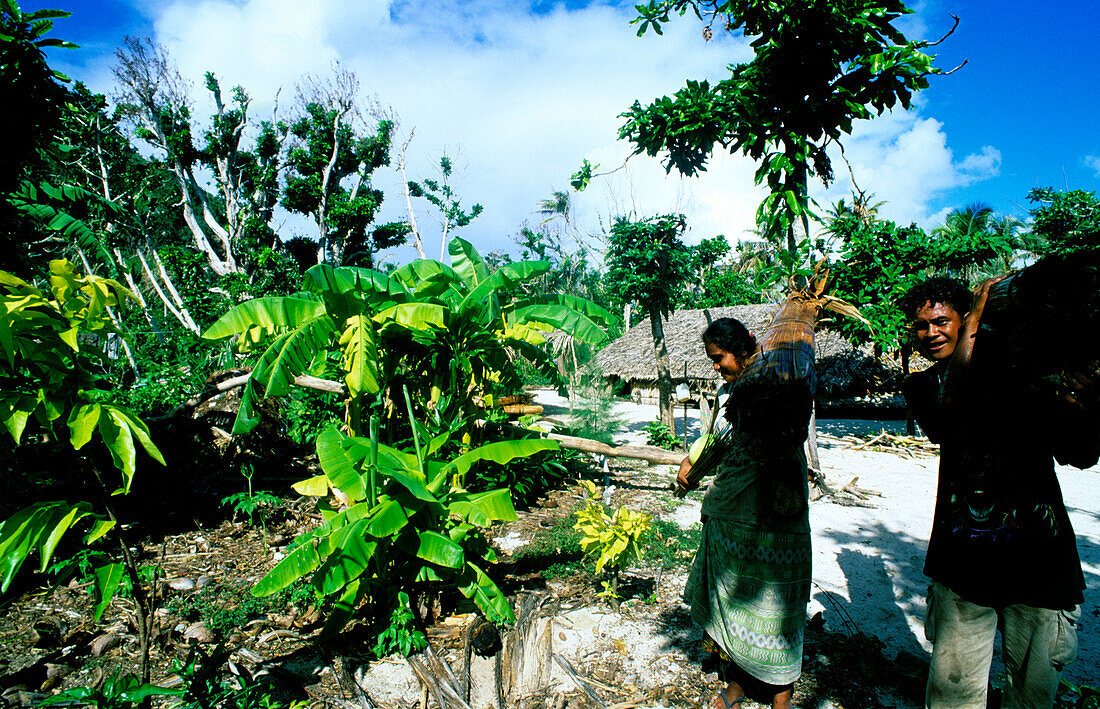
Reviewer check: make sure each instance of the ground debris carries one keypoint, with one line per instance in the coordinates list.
(885, 442)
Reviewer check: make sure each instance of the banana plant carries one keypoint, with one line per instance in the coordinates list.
(438, 328)
(398, 518)
(46, 361)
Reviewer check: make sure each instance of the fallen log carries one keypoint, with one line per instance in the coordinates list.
(651, 454)
(647, 453)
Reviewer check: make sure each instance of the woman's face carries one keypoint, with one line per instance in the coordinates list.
(727, 364)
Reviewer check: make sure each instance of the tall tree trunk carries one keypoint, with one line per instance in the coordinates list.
(664, 376)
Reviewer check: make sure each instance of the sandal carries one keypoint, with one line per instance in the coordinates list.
(728, 704)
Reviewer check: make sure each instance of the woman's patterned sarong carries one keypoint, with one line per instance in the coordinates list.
(748, 589)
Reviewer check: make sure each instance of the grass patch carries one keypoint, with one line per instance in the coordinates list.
(224, 609)
(554, 552)
(668, 546)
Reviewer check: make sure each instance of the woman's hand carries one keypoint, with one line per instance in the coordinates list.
(684, 483)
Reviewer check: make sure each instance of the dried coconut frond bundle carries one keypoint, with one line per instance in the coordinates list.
(1038, 331)
(778, 385)
(1042, 320)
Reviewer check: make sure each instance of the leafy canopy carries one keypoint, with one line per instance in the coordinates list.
(819, 66)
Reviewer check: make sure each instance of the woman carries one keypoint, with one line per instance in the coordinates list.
(750, 582)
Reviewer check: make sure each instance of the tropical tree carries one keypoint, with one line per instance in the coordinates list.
(877, 264)
(819, 66)
(649, 264)
(973, 239)
(440, 194)
(1064, 222)
(329, 168)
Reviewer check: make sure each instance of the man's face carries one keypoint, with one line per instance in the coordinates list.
(936, 330)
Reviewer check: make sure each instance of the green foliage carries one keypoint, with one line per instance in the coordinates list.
(1064, 222)
(30, 84)
(592, 410)
(657, 434)
(400, 636)
(445, 332)
(528, 477)
(52, 345)
(224, 609)
(579, 180)
(727, 287)
(408, 518)
(440, 194)
(612, 539)
(325, 154)
(669, 546)
(970, 238)
(119, 691)
(818, 67)
(879, 263)
(647, 262)
(555, 551)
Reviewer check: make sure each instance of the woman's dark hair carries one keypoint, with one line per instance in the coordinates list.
(939, 289)
(730, 335)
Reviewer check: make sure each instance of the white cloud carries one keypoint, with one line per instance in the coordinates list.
(519, 99)
(904, 160)
(1093, 163)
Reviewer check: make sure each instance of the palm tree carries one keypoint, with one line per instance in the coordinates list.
(974, 241)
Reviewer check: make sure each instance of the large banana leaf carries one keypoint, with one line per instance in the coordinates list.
(482, 509)
(289, 356)
(467, 262)
(499, 452)
(504, 278)
(593, 311)
(269, 315)
(360, 355)
(565, 318)
(437, 549)
(476, 585)
(416, 316)
(324, 278)
(300, 561)
(340, 463)
(426, 276)
(350, 558)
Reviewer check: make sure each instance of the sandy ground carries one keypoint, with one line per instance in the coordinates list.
(868, 560)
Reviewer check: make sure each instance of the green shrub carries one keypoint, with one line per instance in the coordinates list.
(657, 434)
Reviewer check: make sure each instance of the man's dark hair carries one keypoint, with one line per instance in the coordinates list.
(732, 336)
(951, 292)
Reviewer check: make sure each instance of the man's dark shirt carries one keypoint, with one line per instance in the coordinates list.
(1000, 535)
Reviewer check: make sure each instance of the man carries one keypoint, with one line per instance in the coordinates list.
(1002, 551)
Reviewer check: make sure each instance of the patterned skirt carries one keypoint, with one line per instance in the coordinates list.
(748, 589)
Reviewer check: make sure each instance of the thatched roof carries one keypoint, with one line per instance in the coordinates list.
(842, 369)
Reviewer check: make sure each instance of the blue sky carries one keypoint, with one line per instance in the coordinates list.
(519, 94)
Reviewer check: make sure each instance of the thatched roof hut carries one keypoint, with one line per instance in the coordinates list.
(843, 370)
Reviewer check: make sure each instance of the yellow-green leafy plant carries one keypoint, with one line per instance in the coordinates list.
(611, 539)
(52, 344)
